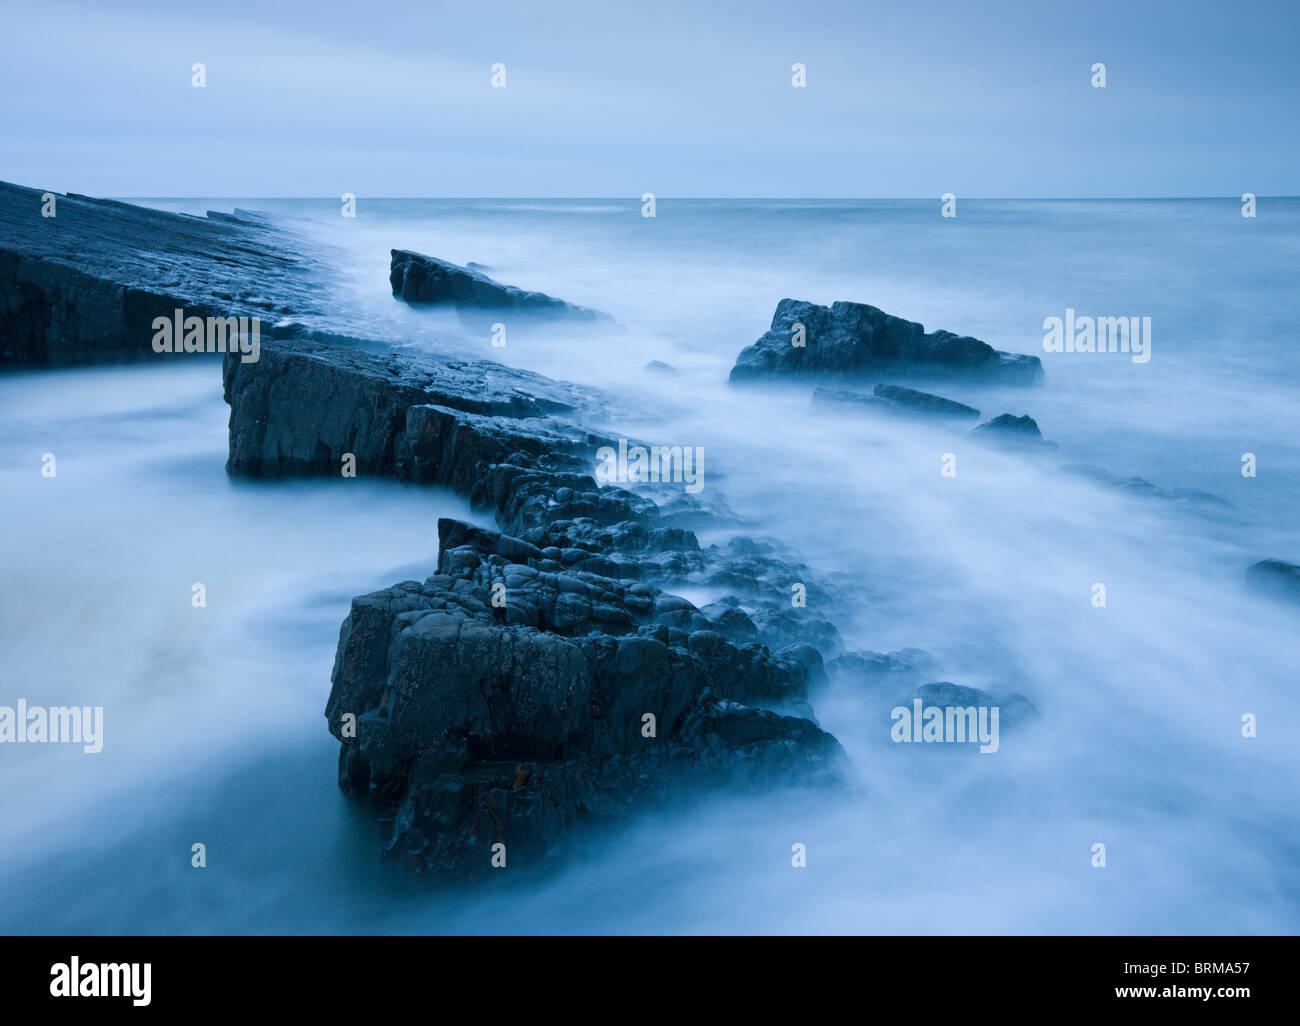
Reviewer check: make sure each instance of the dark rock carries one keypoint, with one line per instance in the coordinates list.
(1141, 486)
(1276, 578)
(905, 665)
(853, 341)
(422, 281)
(1006, 429)
(518, 723)
(897, 399)
(84, 286)
(925, 402)
(1014, 710)
(310, 399)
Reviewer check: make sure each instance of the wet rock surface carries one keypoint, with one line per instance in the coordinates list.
(886, 682)
(567, 701)
(900, 400)
(504, 700)
(425, 281)
(853, 341)
(83, 286)
(1007, 429)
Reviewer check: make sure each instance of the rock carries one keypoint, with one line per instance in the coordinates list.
(853, 341)
(480, 724)
(1192, 497)
(84, 286)
(1006, 429)
(925, 402)
(897, 399)
(1014, 710)
(422, 281)
(504, 699)
(659, 367)
(1276, 578)
(310, 399)
(519, 721)
(907, 665)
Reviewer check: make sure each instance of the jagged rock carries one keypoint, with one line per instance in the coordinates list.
(475, 721)
(1276, 578)
(853, 341)
(1014, 710)
(1006, 429)
(897, 399)
(516, 723)
(312, 398)
(423, 281)
(905, 665)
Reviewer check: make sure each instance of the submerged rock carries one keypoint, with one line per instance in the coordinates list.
(1007, 429)
(1276, 578)
(424, 281)
(925, 402)
(853, 341)
(907, 665)
(1014, 709)
(1141, 486)
(897, 399)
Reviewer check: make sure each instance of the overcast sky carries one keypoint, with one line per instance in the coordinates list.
(616, 98)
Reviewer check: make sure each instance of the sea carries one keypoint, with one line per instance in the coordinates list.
(1156, 791)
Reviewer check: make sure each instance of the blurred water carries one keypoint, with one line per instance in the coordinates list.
(213, 715)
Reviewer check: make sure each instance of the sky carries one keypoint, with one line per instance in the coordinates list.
(905, 99)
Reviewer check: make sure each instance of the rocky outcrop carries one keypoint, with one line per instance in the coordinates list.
(544, 678)
(424, 281)
(907, 665)
(1006, 429)
(561, 704)
(84, 285)
(852, 341)
(312, 398)
(897, 399)
(1276, 578)
(883, 683)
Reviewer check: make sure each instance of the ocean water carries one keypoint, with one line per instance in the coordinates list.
(214, 731)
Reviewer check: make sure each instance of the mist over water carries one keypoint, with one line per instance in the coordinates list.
(213, 721)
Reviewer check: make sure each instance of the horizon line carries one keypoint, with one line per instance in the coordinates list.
(775, 199)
